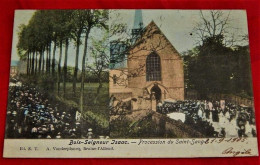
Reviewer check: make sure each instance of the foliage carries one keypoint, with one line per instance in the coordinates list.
(215, 68)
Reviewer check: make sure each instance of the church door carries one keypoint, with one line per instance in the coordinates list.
(157, 92)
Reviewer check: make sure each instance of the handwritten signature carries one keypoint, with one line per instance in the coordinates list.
(231, 151)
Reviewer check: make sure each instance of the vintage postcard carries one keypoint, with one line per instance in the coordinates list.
(130, 84)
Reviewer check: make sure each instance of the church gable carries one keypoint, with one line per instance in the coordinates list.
(153, 65)
(153, 40)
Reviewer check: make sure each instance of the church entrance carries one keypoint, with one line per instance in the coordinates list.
(157, 92)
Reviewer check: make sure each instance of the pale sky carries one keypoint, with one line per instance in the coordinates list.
(175, 24)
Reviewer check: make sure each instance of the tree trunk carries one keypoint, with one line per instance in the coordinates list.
(76, 64)
(59, 68)
(32, 71)
(53, 59)
(36, 64)
(40, 63)
(84, 70)
(43, 61)
(47, 59)
(99, 88)
(65, 67)
(28, 64)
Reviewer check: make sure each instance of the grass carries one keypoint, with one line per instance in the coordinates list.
(90, 93)
(96, 115)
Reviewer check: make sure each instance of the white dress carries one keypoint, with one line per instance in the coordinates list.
(227, 115)
(231, 129)
(248, 129)
(200, 113)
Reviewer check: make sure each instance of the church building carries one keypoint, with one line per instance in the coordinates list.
(150, 69)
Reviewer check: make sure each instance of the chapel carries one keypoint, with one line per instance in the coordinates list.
(150, 69)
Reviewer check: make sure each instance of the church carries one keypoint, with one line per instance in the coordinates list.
(149, 71)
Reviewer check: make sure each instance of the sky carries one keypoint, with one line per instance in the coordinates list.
(177, 26)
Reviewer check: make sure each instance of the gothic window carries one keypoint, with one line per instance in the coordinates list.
(153, 67)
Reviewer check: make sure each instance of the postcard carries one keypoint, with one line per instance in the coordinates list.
(130, 84)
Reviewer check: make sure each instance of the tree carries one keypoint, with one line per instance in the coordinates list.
(79, 20)
(60, 29)
(64, 27)
(22, 45)
(212, 66)
(95, 18)
(215, 23)
(100, 54)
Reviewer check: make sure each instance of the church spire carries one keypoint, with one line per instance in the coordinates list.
(138, 21)
(138, 25)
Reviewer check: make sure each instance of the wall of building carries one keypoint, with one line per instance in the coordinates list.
(171, 63)
(121, 83)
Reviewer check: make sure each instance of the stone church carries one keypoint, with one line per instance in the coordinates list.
(150, 69)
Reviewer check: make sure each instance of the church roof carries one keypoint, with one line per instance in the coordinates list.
(147, 33)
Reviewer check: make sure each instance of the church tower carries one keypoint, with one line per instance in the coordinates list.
(118, 55)
(138, 26)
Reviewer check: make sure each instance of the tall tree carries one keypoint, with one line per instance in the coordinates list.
(95, 18)
(79, 21)
(67, 29)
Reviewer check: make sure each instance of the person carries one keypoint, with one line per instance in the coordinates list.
(215, 115)
(241, 132)
(221, 118)
(159, 107)
(207, 113)
(248, 129)
(222, 133)
(227, 115)
(90, 134)
(58, 136)
(232, 128)
(200, 113)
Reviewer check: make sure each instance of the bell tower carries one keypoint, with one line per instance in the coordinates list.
(138, 25)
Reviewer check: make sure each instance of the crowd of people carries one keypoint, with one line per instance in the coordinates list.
(214, 118)
(30, 114)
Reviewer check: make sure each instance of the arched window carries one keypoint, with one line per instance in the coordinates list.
(153, 67)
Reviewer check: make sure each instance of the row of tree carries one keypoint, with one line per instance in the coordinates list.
(49, 30)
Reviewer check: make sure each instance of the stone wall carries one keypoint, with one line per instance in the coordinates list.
(121, 96)
(174, 128)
